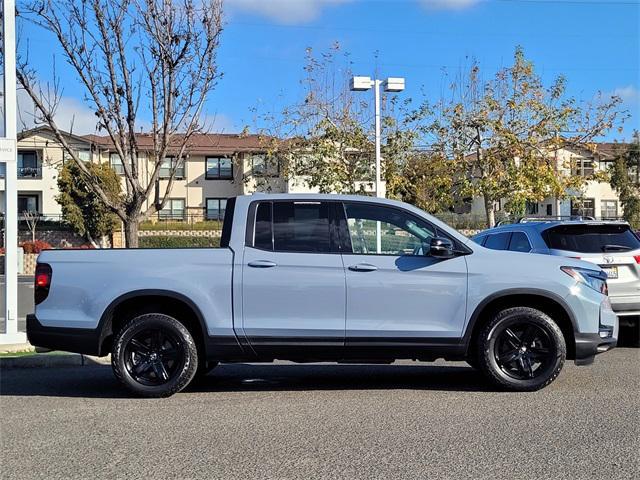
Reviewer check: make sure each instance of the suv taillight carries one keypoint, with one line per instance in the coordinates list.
(637, 259)
(42, 282)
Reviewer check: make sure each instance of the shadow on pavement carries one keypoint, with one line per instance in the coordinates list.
(99, 382)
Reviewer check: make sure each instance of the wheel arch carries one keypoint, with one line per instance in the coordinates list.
(142, 301)
(543, 300)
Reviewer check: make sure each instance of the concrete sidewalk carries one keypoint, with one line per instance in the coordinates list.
(24, 356)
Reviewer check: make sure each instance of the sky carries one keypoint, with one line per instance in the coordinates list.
(595, 44)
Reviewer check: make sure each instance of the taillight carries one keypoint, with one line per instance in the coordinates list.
(637, 258)
(42, 282)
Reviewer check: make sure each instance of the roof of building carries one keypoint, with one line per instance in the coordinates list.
(223, 143)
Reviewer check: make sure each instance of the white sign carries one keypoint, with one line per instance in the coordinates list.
(7, 150)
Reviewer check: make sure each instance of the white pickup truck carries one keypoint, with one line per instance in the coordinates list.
(322, 278)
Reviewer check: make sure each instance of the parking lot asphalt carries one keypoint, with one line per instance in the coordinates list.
(286, 421)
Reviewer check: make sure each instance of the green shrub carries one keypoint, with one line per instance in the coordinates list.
(165, 241)
(186, 225)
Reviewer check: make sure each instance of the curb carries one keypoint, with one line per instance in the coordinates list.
(47, 360)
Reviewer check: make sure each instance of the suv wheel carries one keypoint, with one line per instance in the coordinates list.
(521, 349)
(154, 355)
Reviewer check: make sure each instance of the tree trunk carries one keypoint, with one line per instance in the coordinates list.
(131, 233)
(490, 211)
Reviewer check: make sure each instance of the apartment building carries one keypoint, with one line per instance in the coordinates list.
(597, 199)
(217, 166)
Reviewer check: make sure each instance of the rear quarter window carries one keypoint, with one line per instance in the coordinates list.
(586, 238)
(498, 241)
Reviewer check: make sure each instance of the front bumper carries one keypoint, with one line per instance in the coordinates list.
(76, 340)
(588, 345)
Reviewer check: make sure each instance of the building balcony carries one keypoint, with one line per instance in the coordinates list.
(30, 172)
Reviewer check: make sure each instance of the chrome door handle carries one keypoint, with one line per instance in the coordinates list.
(363, 267)
(262, 264)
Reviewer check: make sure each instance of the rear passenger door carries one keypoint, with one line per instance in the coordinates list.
(293, 280)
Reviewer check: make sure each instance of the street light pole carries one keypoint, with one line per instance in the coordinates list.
(376, 106)
(9, 155)
(391, 84)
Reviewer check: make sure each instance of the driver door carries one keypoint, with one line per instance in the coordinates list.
(395, 291)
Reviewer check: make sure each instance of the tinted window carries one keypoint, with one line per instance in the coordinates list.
(591, 238)
(263, 237)
(301, 227)
(519, 242)
(498, 241)
(400, 232)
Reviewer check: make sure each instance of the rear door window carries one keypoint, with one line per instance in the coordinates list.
(519, 242)
(301, 227)
(586, 238)
(498, 241)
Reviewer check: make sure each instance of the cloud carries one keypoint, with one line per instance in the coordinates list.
(630, 95)
(284, 11)
(219, 123)
(448, 4)
(71, 115)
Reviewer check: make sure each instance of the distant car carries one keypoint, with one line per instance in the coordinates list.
(612, 245)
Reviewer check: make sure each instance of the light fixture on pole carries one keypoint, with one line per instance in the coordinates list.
(391, 84)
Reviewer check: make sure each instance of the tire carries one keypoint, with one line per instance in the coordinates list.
(521, 349)
(154, 355)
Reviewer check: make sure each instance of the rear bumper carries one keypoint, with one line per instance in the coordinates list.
(627, 305)
(77, 340)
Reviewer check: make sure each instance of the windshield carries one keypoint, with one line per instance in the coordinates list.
(591, 238)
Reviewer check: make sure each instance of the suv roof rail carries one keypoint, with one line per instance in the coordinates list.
(555, 218)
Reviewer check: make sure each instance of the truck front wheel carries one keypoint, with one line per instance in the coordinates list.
(154, 355)
(521, 349)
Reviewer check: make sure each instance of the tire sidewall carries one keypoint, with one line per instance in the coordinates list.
(150, 321)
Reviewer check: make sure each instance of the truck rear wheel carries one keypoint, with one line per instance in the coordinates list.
(521, 349)
(154, 355)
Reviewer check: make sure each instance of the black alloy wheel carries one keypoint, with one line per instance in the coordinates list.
(154, 356)
(524, 350)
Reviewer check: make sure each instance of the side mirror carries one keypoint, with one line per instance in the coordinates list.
(441, 247)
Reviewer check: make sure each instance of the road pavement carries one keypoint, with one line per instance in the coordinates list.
(25, 300)
(286, 421)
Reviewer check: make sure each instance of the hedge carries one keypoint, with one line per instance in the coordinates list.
(186, 225)
(165, 241)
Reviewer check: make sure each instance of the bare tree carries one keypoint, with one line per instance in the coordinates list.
(31, 219)
(142, 63)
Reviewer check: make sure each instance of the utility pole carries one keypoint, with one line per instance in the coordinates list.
(8, 155)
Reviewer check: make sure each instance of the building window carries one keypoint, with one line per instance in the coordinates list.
(116, 163)
(216, 208)
(584, 167)
(583, 207)
(3, 171)
(264, 166)
(532, 208)
(28, 203)
(549, 209)
(28, 165)
(219, 168)
(168, 165)
(84, 155)
(609, 209)
(173, 210)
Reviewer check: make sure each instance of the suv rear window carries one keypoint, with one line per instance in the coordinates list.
(587, 238)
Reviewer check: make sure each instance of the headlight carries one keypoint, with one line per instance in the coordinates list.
(592, 278)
